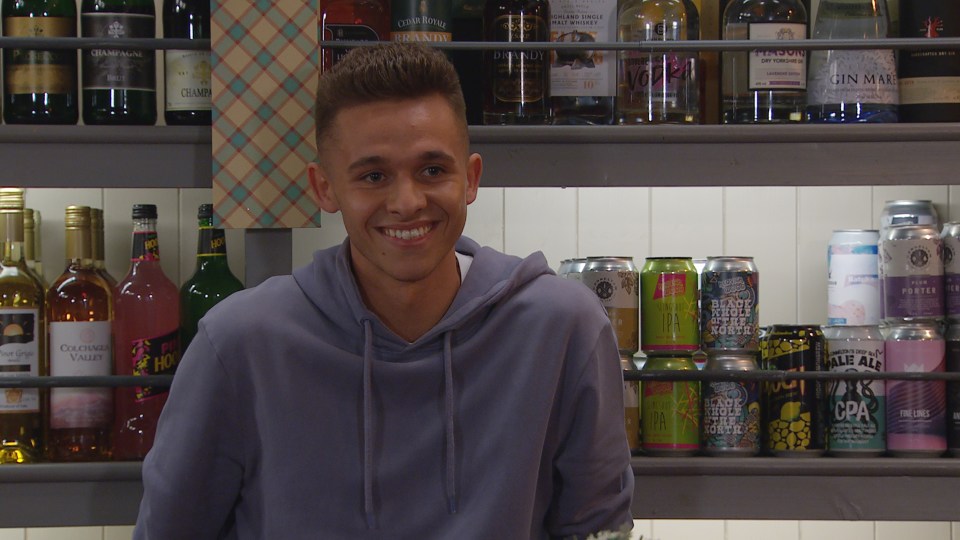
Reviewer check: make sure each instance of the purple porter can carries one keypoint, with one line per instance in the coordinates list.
(950, 236)
(916, 410)
(911, 257)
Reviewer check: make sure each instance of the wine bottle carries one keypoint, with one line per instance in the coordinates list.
(656, 88)
(764, 86)
(119, 85)
(96, 239)
(929, 78)
(40, 85)
(852, 85)
(79, 319)
(516, 82)
(351, 20)
(30, 243)
(212, 280)
(147, 338)
(188, 87)
(22, 336)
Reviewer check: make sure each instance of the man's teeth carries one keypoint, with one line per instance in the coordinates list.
(407, 234)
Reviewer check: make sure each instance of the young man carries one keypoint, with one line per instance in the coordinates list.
(407, 384)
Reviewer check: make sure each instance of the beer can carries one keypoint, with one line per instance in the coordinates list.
(731, 409)
(911, 257)
(857, 408)
(668, 310)
(631, 406)
(853, 290)
(794, 409)
(908, 212)
(729, 305)
(571, 268)
(670, 410)
(950, 237)
(953, 389)
(916, 410)
(615, 282)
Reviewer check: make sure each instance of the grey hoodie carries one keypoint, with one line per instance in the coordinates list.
(297, 414)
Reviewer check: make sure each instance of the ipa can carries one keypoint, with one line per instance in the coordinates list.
(731, 409)
(794, 409)
(670, 410)
(668, 310)
(614, 281)
(729, 305)
(916, 410)
(853, 290)
(857, 408)
(953, 389)
(911, 258)
(950, 237)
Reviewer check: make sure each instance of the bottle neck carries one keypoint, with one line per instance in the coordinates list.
(211, 247)
(78, 248)
(146, 248)
(11, 234)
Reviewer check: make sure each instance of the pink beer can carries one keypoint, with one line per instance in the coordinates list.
(916, 410)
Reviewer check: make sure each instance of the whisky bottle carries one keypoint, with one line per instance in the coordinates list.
(22, 335)
(96, 239)
(187, 73)
(31, 241)
(583, 83)
(79, 318)
(656, 88)
(929, 78)
(764, 86)
(351, 20)
(516, 82)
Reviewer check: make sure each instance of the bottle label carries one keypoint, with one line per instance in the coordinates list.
(213, 242)
(29, 71)
(343, 32)
(19, 357)
(518, 75)
(929, 90)
(118, 69)
(188, 80)
(154, 356)
(583, 72)
(146, 247)
(420, 20)
(853, 77)
(80, 348)
(781, 69)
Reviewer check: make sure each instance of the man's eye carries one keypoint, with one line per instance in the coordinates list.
(373, 177)
(433, 171)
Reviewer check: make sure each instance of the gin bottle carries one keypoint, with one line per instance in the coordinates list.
(764, 86)
(852, 85)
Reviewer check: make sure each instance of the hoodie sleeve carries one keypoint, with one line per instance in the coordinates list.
(594, 480)
(192, 475)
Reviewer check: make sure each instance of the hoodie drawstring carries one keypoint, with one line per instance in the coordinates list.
(451, 476)
(368, 425)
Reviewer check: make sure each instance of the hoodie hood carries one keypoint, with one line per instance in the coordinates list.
(329, 284)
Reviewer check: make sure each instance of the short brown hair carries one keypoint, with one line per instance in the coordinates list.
(386, 71)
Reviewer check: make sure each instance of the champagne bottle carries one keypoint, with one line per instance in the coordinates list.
(79, 319)
(188, 73)
(40, 86)
(351, 20)
(22, 336)
(212, 280)
(30, 242)
(147, 338)
(119, 85)
(764, 86)
(96, 238)
(929, 78)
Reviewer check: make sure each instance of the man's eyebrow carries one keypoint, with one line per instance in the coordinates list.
(366, 161)
(436, 155)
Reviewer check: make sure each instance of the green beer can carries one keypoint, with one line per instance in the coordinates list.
(670, 410)
(668, 306)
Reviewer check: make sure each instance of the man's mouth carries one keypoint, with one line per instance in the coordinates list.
(408, 234)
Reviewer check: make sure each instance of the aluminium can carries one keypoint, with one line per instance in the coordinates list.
(950, 237)
(794, 410)
(916, 410)
(668, 309)
(631, 406)
(953, 388)
(908, 212)
(853, 289)
(729, 305)
(911, 258)
(615, 282)
(857, 408)
(731, 409)
(571, 268)
(670, 410)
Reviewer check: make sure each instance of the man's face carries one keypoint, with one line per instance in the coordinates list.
(400, 174)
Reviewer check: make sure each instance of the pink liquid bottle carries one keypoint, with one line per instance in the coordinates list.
(146, 337)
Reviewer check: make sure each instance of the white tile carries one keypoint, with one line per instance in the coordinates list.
(641, 529)
(918, 530)
(686, 222)
(12, 534)
(820, 211)
(614, 222)
(836, 530)
(955, 527)
(953, 204)
(118, 228)
(65, 533)
(682, 529)
(51, 203)
(541, 219)
(118, 533)
(762, 530)
(190, 201)
(938, 194)
(762, 222)
(485, 218)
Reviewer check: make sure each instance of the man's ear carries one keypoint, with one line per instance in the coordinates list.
(474, 170)
(322, 190)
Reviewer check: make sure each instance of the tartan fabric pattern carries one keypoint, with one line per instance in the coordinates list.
(264, 84)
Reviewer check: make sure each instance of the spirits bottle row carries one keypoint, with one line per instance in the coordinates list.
(110, 86)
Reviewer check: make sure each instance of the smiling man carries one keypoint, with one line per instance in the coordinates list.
(408, 384)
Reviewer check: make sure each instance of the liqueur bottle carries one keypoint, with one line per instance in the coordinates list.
(147, 337)
(119, 85)
(22, 336)
(40, 86)
(516, 82)
(79, 318)
(212, 280)
(96, 238)
(852, 85)
(30, 243)
(656, 88)
(421, 20)
(583, 83)
(187, 73)
(764, 86)
(351, 20)
(468, 26)
(929, 78)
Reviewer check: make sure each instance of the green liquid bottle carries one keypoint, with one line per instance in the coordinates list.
(212, 280)
(40, 86)
(119, 85)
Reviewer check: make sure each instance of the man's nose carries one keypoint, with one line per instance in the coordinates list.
(407, 196)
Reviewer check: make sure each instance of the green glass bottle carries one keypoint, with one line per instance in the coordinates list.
(212, 280)
(40, 86)
(119, 85)
(188, 91)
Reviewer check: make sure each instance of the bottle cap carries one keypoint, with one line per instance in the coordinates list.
(96, 218)
(28, 222)
(205, 211)
(11, 198)
(144, 211)
(77, 217)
